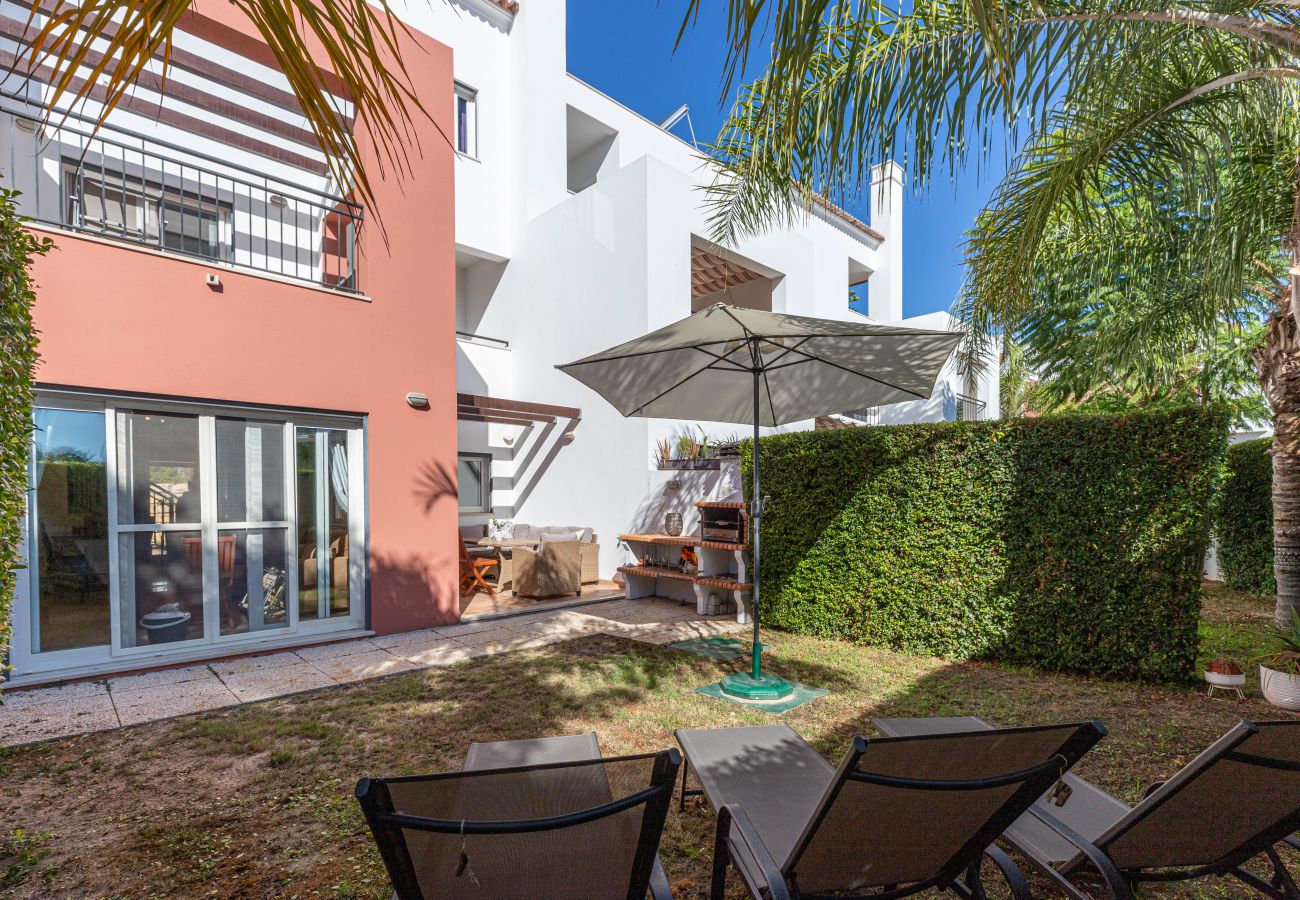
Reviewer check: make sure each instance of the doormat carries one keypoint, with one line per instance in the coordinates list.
(716, 647)
(801, 695)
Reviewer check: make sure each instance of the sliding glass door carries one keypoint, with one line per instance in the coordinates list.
(172, 527)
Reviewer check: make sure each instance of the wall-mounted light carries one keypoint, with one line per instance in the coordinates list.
(417, 400)
(26, 125)
(278, 200)
(213, 281)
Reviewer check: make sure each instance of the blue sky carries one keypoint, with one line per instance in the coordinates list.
(626, 50)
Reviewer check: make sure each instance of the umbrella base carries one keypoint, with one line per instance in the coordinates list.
(765, 687)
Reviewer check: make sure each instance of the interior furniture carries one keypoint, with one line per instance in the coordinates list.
(225, 571)
(549, 751)
(902, 815)
(554, 568)
(575, 828)
(1238, 800)
(472, 569)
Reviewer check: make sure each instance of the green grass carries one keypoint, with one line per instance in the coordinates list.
(257, 801)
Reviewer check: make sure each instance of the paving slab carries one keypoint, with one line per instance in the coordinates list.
(441, 653)
(256, 663)
(359, 666)
(267, 683)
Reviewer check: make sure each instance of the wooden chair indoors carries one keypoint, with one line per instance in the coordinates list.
(472, 569)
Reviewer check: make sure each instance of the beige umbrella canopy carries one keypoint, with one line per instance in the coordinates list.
(703, 367)
(730, 364)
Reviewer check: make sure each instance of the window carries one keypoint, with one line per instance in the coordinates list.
(474, 481)
(466, 118)
(176, 525)
(137, 209)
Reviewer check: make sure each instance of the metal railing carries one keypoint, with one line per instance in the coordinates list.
(969, 409)
(121, 185)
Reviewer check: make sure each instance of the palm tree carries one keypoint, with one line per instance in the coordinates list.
(358, 40)
(1151, 92)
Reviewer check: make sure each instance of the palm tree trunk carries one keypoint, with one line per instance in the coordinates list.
(1278, 362)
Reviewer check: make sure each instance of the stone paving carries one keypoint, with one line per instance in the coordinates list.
(44, 713)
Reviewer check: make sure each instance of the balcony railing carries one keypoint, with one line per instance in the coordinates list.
(868, 415)
(125, 186)
(969, 409)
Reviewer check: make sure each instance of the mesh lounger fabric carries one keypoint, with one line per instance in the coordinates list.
(592, 859)
(1089, 810)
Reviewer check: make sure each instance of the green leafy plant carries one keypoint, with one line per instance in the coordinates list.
(1286, 658)
(18, 247)
(1069, 543)
(1243, 524)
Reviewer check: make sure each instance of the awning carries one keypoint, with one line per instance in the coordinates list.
(477, 408)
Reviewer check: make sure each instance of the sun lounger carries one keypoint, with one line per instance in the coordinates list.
(568, 826)
(1236, 801)
(898, 816)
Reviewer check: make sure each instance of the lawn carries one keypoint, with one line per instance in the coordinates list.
(258, 801)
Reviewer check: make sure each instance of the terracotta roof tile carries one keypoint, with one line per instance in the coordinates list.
(847, 218)
(510, 6)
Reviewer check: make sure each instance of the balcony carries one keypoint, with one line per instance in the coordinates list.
(969, 409)
(124, 186)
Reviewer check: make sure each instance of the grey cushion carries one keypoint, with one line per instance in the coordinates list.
(553, 532)
(524, 532)
(471, 533)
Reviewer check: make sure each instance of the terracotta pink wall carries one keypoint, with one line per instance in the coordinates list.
(116, 319)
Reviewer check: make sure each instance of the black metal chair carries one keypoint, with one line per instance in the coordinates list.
(898, 816)
(587, 828)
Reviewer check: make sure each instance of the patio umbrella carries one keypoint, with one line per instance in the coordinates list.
(731, 364)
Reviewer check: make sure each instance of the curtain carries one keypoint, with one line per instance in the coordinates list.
(339, 474)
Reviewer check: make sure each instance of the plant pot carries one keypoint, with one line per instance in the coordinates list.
(673, 523)
(165, 627)
(1224, 679)
(1280, 688)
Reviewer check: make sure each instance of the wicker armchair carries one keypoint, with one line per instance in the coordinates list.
(554, 569)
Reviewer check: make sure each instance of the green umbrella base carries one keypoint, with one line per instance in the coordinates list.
(799, 695)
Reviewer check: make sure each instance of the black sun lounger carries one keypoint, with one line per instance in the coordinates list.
(568, 826)
(1236, 801)
(898, 816)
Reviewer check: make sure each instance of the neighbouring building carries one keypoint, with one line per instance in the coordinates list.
(225, 458)
(580, 224)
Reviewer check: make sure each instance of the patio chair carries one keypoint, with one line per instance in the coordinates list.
(585, 828)
(472, 569)
(1237, 801)
(554, 568)
(898, 816)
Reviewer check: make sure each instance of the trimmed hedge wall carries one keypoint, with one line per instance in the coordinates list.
(1244, 524)
(1071, 543)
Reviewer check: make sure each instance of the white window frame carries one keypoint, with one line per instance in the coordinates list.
(26, 661)
(485, 481)
(462, 91)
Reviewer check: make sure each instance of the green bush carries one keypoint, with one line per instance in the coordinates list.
(1244, 523)
(1071, 543)
(18, 247)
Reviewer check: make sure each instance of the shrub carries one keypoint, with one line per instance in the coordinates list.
(1244, 521)
(1070, 543)
(18, 247)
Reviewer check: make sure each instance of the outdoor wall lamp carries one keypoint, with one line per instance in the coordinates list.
(417, 400)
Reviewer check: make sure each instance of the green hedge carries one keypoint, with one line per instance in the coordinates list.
(17, 364)
(1244, 524)
(1071, 543)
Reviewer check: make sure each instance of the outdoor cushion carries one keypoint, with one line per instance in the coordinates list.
(523, 532)
(583, 534)
(562, 535)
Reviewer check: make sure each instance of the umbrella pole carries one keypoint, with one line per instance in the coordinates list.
(755, 515)
(754, 685)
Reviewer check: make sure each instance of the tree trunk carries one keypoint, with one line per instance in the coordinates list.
(1278, 362)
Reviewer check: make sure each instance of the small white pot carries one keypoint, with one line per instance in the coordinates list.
(1280, 689)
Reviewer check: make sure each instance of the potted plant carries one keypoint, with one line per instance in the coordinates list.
(1279, 671)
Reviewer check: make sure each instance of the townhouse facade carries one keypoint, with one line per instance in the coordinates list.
(225, 458)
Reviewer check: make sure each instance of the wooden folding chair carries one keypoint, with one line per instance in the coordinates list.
(472, 569)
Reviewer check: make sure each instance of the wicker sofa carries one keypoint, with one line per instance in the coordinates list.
(589, 552)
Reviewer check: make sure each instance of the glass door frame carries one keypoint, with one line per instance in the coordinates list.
(27, 586)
